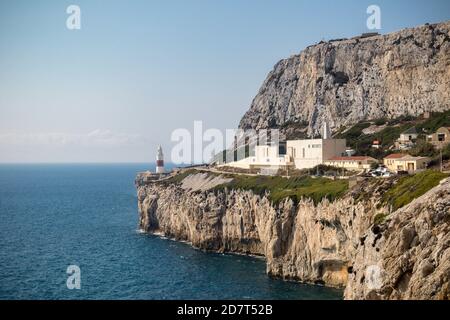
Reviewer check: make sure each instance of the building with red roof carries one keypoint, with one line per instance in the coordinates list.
(352, 163)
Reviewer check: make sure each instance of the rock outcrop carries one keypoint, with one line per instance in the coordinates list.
(346, 81)
(408, 256)
(332, 243)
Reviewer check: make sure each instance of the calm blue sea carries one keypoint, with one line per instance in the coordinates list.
(53, 216)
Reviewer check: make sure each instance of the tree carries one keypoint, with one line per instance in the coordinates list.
(423, 149)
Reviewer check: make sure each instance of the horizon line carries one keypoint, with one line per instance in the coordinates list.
(99, 162)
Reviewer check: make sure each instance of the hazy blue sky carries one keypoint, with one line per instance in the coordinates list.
(137, 70)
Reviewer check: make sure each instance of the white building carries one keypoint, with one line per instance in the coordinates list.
(265, 157)
(301, 154)
(310, 153)
(407, 139)
(352, 163)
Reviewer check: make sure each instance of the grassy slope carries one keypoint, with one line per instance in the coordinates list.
(400, 194)
(280, 188)
(409, 188)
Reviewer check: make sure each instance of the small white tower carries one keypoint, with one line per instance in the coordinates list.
(326, 134)
(160, 161)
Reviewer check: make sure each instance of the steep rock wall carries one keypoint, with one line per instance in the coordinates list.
(408, 256)
(332, 243)
(346, 81)
(304, 241)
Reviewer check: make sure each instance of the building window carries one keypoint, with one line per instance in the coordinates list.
(441, 137)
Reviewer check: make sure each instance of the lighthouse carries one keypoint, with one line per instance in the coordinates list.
(160, 161)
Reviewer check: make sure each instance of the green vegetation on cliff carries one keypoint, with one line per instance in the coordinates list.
(409, 188)
(362, 143)
(280, 188)
(396, 192)
(177, 178)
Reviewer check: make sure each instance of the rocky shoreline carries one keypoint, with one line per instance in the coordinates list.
(336, 243)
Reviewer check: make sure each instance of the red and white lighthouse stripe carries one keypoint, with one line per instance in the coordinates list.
(160, 161)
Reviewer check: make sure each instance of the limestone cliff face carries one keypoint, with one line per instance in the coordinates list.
(346, 81)
(331, 243)
(304, 241)
(407, 257)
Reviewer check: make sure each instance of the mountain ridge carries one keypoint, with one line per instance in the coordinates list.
(345, 81)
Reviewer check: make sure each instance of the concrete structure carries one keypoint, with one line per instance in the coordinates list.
(351, 163)
(440, 138)
(265, 157)
(407, 139)
(404, 162)
(268, 156)
(160, 161)
(301, 154)
(326, 132)
(307, 154)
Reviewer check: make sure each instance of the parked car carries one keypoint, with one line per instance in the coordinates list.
(381, 171)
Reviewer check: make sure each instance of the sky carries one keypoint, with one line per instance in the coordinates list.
(138, 70)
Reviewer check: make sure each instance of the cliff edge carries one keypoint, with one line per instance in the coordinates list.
(340, 243)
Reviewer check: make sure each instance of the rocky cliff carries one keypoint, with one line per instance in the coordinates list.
(349, 80)
(331, 243)
(408, 256)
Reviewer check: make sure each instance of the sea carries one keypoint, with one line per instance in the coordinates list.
(69, 231)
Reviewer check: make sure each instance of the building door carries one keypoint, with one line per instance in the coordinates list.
(410, 166)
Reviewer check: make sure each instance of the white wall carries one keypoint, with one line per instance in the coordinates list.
(264, 153)
(312, 152)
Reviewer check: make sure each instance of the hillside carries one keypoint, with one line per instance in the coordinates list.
(361, 135)
(352, 80)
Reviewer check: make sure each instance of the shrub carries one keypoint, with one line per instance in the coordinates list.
(380, 218)
(411, 187)
(423, 149)
(380, 122)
